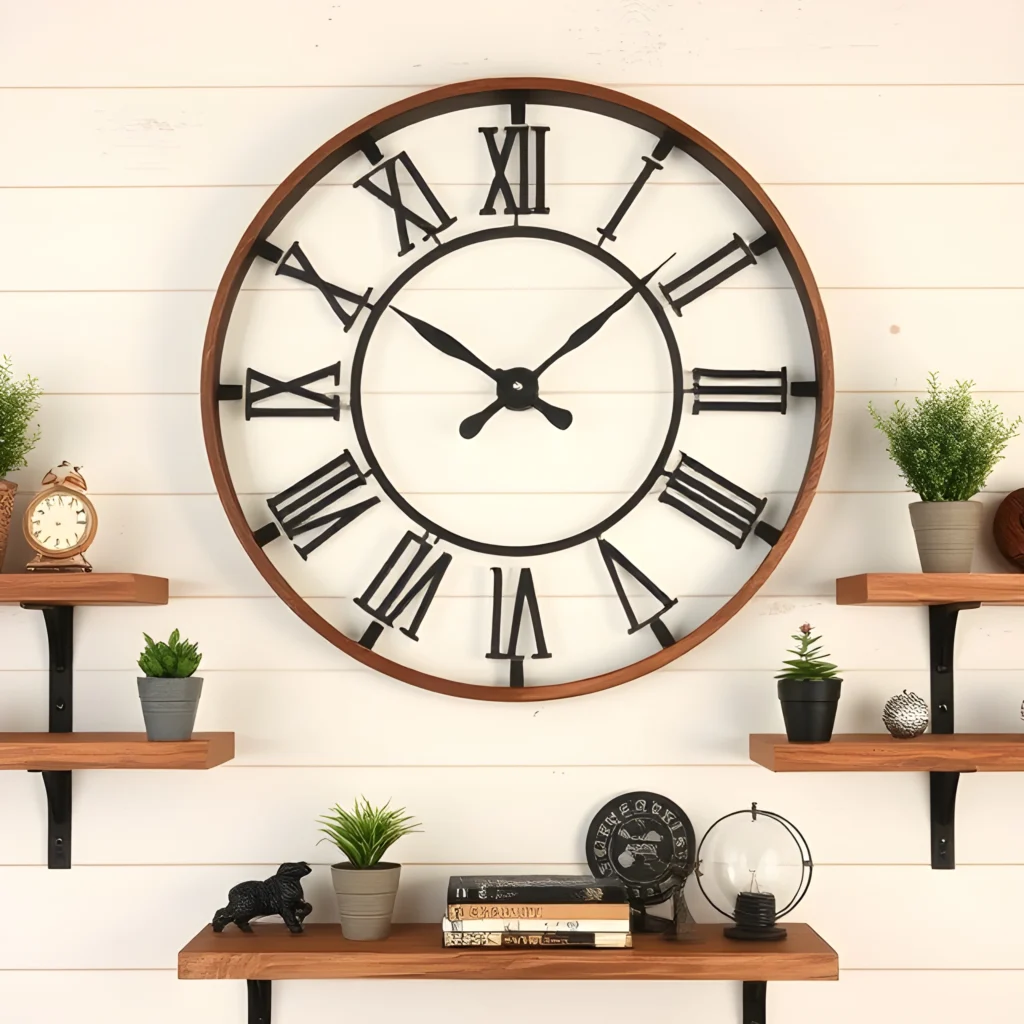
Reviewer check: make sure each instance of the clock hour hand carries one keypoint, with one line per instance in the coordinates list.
(593, 325)
(445, 343)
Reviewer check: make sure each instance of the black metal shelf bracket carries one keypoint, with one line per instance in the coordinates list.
(59, 621)
(755, 995)
(259, 1001)
(942, 634)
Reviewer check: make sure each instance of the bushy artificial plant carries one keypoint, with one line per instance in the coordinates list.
(177, 659)
(365, 833)
(19, 403)
(806, 663)
(948, 443)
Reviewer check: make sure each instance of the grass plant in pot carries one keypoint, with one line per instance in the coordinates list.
(169, 690)
(808, 691)
(19, 403)
(946, 447)
(366, 886)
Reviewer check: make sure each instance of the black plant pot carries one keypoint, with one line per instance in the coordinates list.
(809, 708)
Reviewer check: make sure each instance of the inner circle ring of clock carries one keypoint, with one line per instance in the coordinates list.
(491, 234)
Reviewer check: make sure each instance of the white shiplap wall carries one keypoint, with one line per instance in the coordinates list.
(139, 139)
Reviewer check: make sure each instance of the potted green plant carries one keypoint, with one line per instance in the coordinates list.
(19, 403)
(945, 447)
(169, 689)
(808, 691)
(366, 886)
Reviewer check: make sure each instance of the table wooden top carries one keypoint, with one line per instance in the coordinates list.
(415, 951)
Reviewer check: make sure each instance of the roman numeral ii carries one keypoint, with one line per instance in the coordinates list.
(525, 600)
(721, 262)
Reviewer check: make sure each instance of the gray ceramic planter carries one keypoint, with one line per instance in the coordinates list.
(366, 899)
(169, 706)
(946, 533)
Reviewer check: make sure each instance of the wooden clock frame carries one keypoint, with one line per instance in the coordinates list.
(483, 92)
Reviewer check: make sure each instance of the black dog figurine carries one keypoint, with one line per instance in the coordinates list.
(281, 894)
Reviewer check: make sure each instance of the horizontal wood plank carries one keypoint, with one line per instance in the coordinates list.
(891, 588)
(63, 751)
(79, 588)
(880, 752)
(415, 951)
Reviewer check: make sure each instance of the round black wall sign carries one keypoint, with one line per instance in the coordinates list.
(646, 840)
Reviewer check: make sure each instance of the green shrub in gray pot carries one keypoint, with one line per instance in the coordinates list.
(366, 886)
(808, 691)
(169, 690)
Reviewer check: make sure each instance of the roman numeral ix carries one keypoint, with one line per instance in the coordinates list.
(391, 195)
(747, 256)
(404, 590)
(617, 563)
(317, 403)
(302, 270)
(716, 503)
(652, 163)
(305, 506)
(516, 137)
(525, 600)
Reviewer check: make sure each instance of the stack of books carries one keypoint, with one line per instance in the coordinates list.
(576, 911)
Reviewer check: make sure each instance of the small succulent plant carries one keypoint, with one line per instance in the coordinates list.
(177, 659)
(806, 663)
(365, 833)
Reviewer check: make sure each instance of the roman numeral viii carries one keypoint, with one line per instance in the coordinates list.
(294, 263)
(431, 221)
(306, 507)
(716, 503)
(516, 137)
(711, 272)
(402, 565)
(525, 600)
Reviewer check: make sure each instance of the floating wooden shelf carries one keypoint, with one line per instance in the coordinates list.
(272, 953)
(64, 588)
(922, 588)
(66, 751)
(880, 752)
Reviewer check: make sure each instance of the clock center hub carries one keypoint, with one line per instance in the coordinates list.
(517, 388)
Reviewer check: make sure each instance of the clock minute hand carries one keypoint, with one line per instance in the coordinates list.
(445, 343)
(592, 326)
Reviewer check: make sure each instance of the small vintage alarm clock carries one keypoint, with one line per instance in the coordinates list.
(60, 523)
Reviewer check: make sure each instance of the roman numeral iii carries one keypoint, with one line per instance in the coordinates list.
(716, 503)
(516, 137)
(525, 600)
(305, 507)
(722, 264)
(391, 195)
(404, 589)
(316, 403)
(295, 264)
(617, 563)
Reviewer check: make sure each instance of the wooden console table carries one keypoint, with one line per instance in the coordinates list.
(272, 953)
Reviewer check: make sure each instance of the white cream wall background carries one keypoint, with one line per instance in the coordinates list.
(139, 139)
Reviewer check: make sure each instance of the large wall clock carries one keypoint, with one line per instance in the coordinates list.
(517, 389)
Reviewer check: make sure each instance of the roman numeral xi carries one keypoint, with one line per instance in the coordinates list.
(525, 600)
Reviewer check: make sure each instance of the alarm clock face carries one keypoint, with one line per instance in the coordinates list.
(645, 840)
(59, 522)
(518, 389)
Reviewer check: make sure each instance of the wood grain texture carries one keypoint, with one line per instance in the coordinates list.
(468, 94)
(53, 751)
(902, 588)
(880, 752)
(80, 588)
(415, 951)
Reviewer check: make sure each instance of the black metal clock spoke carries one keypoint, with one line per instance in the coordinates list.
(555, 415)
(594, 324)
(472, 425)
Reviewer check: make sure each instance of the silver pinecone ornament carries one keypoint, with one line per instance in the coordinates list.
(905, 715)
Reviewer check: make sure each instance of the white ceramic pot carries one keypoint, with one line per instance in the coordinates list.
(366, 899)
(946, 533)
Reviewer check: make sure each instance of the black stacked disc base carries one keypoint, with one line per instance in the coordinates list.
(773, 934)
(755, 918)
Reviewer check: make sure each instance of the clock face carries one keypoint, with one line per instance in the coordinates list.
(59, 523)
(517, 389)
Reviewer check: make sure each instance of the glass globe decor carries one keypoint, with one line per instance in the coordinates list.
(754, 867)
